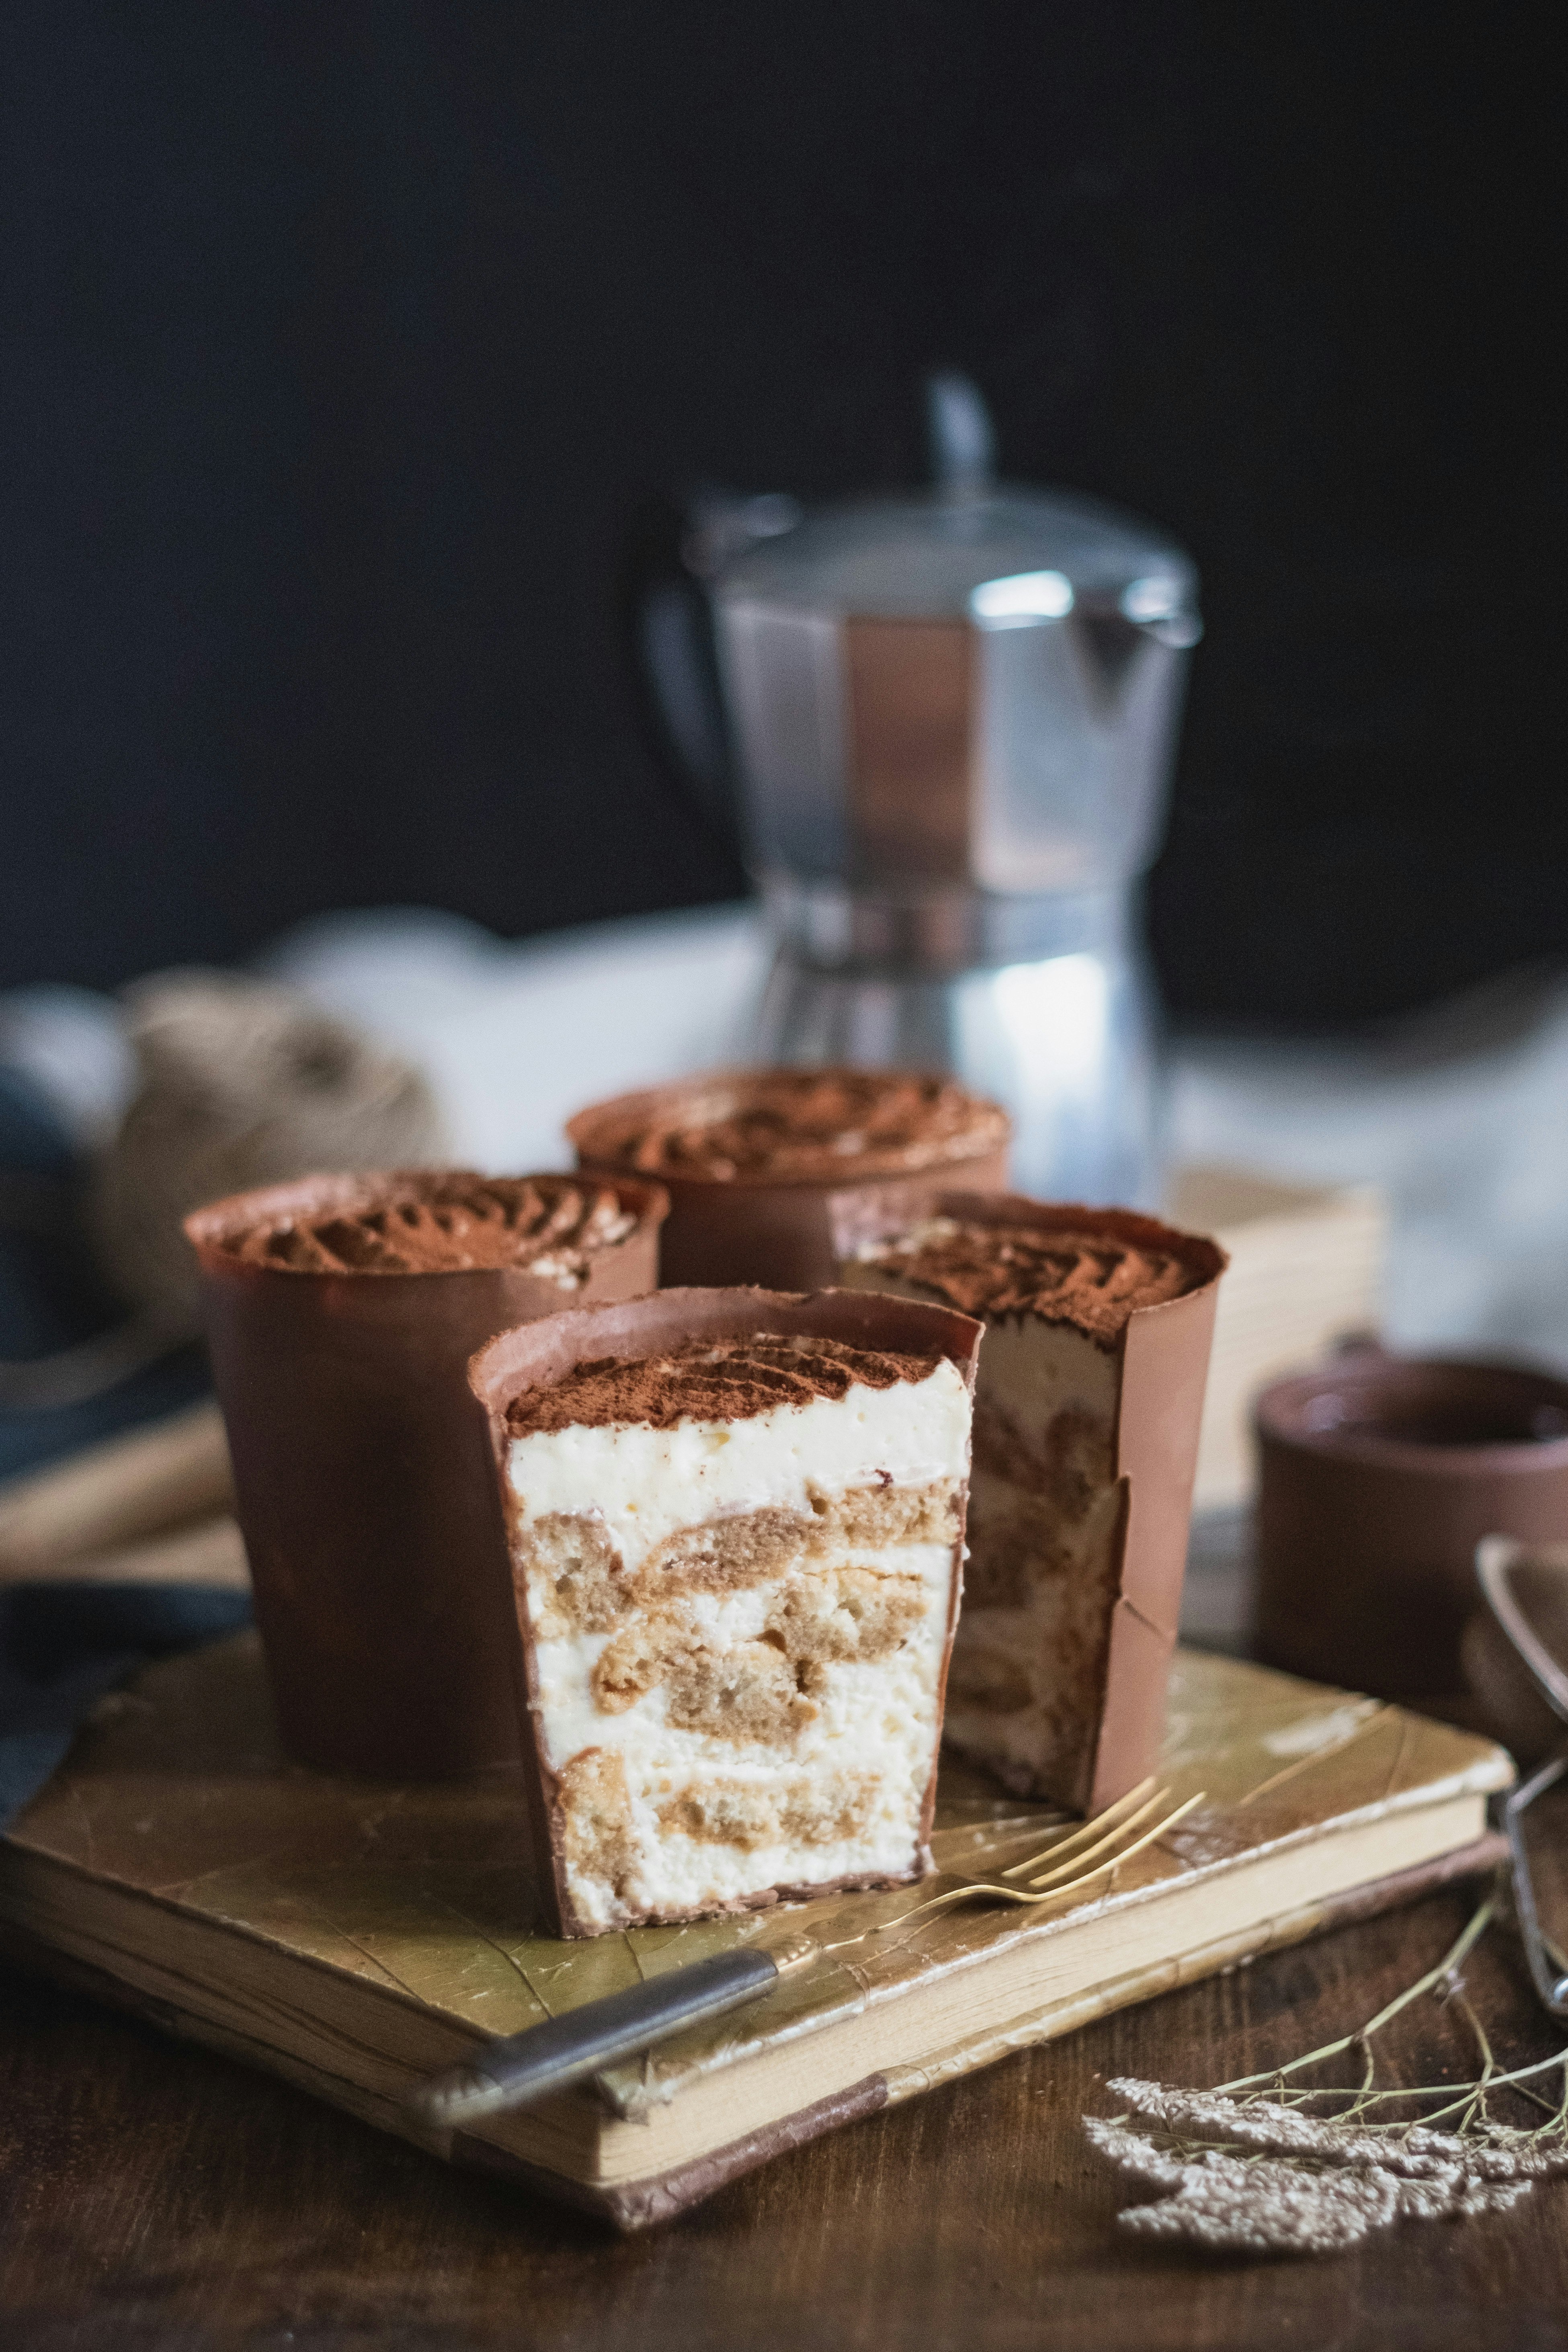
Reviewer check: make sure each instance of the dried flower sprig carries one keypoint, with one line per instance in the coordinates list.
(1247, 2169)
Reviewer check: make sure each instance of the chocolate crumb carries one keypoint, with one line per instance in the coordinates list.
(1094, 1281)
(448, 1221)
(707, 1380)
(786, 1127)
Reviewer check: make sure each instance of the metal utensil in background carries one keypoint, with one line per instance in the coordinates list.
(1526, 1592)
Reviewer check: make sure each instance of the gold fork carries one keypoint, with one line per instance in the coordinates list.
(1076, 1857)
(514, 2071)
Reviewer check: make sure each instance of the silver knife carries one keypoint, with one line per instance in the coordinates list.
(514, 2071)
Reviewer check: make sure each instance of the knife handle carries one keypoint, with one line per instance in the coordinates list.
(513, 2072)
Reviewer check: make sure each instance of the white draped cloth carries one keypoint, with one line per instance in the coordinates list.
(1460, 1115)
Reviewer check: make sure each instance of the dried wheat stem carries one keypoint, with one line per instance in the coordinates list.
(1475, 1929)
(1257, 2174)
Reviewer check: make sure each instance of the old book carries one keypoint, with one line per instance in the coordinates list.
(353, 1935)
(1306, 1272)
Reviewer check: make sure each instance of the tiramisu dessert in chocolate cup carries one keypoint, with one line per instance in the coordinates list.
(751, 1158)
(736, 1519)
(342, 1312)
(1098, 1325)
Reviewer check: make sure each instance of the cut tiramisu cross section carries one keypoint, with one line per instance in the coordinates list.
(736, 1521)
(1086, 1423)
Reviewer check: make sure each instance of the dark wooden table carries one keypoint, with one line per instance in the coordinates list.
(151, 2194)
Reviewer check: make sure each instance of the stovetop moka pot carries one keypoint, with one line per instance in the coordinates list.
(952, 716)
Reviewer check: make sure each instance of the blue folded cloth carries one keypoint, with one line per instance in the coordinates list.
(52, 1295)
(63, 1645)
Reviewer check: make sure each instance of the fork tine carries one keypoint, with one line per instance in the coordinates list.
(1112, 1836)
(1148, 1838)
(1101, 1821)
(1077, 1875)
(970, 1894)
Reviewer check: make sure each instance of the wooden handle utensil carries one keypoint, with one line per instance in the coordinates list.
(122, 1493)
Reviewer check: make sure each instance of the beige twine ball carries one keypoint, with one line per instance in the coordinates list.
(240, 1083)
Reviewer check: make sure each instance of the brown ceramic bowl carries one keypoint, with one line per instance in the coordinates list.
(362, 1482)
(1379, 1476)
(767, 1218)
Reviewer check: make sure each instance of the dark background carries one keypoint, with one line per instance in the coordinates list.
(346, 344)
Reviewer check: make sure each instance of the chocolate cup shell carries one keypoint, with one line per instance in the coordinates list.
(748, 1229)
(363, 1487)
(1365, 1539)
(779, 1235)
(1162, 1355)
(744, 1229)
(544, 1353)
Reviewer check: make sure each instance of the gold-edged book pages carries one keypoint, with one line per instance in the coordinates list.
(352, 1936)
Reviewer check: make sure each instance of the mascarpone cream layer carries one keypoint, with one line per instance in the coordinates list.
(871, 1746)
(646, 1482)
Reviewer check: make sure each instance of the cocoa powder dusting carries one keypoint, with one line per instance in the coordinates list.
(793, 1127)
(449, 1221)
(705, 1380)
(1093, 1281)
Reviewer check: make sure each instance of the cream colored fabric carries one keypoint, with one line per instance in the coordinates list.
(240, 1083)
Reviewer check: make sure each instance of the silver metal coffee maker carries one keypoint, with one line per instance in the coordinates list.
(953, 715)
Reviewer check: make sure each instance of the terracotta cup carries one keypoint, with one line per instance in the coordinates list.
(1379, 1476)
(756, 1228)
(363, 1482)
